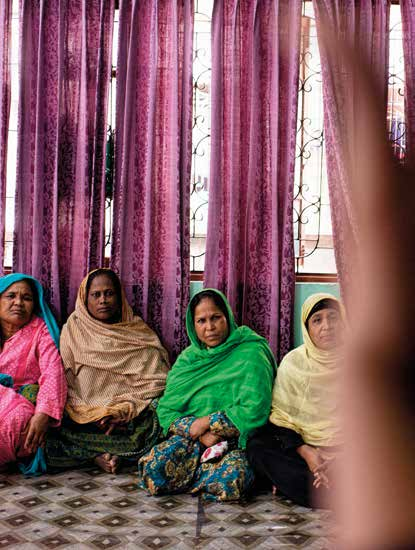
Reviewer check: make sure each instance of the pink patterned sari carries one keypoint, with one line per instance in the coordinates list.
(30, 357)
(15, 413)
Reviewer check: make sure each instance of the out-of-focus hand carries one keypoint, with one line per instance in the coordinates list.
(378, 461)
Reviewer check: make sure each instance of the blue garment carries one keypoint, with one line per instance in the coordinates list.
(36, 467)
(45, 312)
(6, 380)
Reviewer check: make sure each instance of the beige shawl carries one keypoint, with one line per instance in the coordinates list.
(305, 395)
(111, 369)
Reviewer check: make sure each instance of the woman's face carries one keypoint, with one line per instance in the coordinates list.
(325, 328)
(17, 304)
(102, 300)
(210, 323)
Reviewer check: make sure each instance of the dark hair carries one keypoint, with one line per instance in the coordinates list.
(111, 275)
(325, 303)
(216, 298)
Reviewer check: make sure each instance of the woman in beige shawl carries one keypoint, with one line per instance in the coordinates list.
(295, 448)
(115, 367)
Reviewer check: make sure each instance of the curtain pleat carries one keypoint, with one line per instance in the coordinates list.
(363, 28)
(65, 60)
(250, 250)
(150, 248)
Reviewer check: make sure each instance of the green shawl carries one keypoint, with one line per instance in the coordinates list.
(235, 377)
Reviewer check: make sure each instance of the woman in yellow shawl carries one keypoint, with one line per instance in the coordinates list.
(295, 448)
(115, 367)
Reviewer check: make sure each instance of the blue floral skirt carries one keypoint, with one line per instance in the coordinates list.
(174, 466)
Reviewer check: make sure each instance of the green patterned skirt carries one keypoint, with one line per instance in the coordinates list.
(30, 391)
(74, 445)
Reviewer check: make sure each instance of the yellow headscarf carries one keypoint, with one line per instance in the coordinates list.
(305, 395)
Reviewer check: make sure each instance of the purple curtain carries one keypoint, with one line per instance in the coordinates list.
(408, 29)
(153, 160)
(363, 24)
(5, 38)
(250, 250)
(60, 184)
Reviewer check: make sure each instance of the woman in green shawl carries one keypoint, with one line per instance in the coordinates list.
(217, 393)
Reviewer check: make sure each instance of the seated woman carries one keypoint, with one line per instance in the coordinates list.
(295, 449)
(217, 393)
(115, 367)
(32, 380)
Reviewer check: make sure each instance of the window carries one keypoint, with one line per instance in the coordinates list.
(313, 238)
(312, 224)
(199, 187)
(12, 137)
(396, 84)
(110, 165)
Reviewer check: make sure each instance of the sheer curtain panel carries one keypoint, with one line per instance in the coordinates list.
(65, 64)
(250, 250)
(362, 26)
(150, 247)
(408, 30)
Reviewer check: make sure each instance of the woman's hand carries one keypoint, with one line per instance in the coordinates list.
(36, 432)
(321, 479)
(312, 456)
(108, 424)
(103, 423)
(323, 473)
(199, 427)
(318, 462)
(208, 439)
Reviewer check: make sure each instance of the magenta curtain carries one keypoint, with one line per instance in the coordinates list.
(250, 250)
(60, 186)
(408, 29)
(5, 39)
(153, 160)
(362, 24)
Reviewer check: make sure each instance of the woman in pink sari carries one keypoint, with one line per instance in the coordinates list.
(32, 380)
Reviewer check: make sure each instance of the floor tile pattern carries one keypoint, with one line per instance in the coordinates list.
(88, 509)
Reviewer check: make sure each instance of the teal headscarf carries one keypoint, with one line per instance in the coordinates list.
(235, 377)
(44, 310)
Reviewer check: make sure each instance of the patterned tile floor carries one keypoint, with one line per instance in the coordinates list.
(90, 509)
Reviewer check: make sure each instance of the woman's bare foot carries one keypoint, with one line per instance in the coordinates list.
(107, 462)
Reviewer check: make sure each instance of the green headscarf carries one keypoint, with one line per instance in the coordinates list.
(235, 377)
